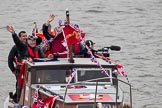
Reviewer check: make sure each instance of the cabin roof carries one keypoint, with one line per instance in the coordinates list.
(77, 61)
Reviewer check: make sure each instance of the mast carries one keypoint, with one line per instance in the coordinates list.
(71, 60)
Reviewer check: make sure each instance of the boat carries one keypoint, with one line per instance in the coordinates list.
(73, 82)
(89, 87)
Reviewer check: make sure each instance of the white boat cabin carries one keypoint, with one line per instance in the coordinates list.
(91, 87)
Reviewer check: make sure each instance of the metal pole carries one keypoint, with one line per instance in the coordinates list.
(130, 96)
(95, 104)
(71, 60)
(116, 92)
(65, 95)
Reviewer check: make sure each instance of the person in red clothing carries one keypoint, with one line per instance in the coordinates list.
(44, 45)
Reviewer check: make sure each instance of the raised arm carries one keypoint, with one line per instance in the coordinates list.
(50, 19)
(47, 26)
(20, 45)
(35, 29)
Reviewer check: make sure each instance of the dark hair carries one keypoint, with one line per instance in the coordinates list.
(89, 43)
(49, 25)
(21, 33)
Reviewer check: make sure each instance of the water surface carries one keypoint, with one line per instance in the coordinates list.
(135, 25)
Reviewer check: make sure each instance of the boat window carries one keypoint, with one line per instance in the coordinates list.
(50, 76)
(83, 75)
(61, 76)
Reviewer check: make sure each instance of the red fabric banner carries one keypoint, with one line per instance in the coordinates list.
(72, 36)
(46, 103)
(58, 46)
(49, 101)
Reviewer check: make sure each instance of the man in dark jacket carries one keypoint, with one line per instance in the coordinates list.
(27, 51)
(14, 52)
(13, 55)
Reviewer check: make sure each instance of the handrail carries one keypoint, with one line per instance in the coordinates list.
(118, 80)
(95, 94)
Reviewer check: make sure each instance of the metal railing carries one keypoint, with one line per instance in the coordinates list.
(96, 80)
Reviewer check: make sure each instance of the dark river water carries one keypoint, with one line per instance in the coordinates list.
(135, 25)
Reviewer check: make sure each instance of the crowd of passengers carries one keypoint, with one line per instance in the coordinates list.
(28, 47)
